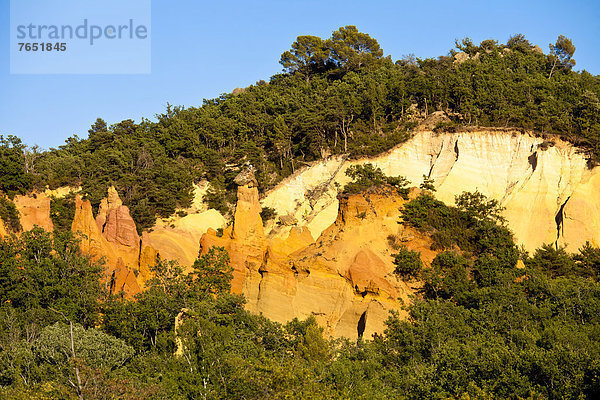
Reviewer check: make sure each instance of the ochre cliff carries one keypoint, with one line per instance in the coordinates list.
(119, 276)
(344, 278)
(112, 234)
(118, 228)
(34, 210)
(244, 240)
(550, 194)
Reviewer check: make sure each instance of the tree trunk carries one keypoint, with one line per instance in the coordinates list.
(79, 387)
(553, 66)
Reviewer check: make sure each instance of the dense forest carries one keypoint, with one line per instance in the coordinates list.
(480, 327)
(336, 96)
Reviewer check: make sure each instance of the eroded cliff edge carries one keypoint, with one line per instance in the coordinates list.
(550, 194)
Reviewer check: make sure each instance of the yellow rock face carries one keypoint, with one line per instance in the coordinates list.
(347, 275)
(62, 191)
(178, 238)
(118, 276)
(112, 234)
(345, 279)
(244, 241)
(34, 209)
(120, 259)
(118, 228)
(532, 179)
(2, 229)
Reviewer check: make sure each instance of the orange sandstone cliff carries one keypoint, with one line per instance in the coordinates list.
(344, 279)
(119, 276)
(128, 257)
(2, 229)
(34, 209)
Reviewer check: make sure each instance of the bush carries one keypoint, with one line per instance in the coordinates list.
(408, 263)
(367, 176)
(393, 242)
(96, 348)
(62, 212)
(267, 214)
(473, 227)
(10, 215)
(447, 278)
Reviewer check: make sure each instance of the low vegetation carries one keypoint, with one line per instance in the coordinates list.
(367, 176)
(9, 215)
(62, 212)
(408, 263)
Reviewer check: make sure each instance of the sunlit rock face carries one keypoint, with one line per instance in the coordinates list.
(245, 239)
(344, 279)
(119, 277)
(34, 209)
(112, 234)
(549, 193)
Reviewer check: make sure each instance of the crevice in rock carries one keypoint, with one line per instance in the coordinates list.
(434, 158)
(260, 284)
(139, 256)
(533, 160)
(362, 323)
(430, 170)
(560, 219)
(363, 293)
(300, 273)
(456, 152)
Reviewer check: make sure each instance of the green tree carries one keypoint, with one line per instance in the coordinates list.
(408, 263)
(588, 259)
(352, 50)
(368, 176)
(555, 261)
(10, 215)
(428, 184)
(212, 272)
(307, 56)
(519, 42)
(478, 206)
(39, 270)
(561, 54)
(94, 347)
(13, 177)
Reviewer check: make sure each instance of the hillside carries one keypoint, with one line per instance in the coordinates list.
(337, 96)
(353, 228)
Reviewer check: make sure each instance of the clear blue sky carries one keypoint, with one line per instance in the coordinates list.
(201, 49)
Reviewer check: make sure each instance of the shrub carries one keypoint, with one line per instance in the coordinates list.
(62, 212)
(10, 215)
(408, 263)
(267, 214)
(393, 242)
(367, 176)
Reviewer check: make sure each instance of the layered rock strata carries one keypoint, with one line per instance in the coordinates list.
(549, 193)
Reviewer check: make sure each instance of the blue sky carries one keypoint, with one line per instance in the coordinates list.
(201, 49)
